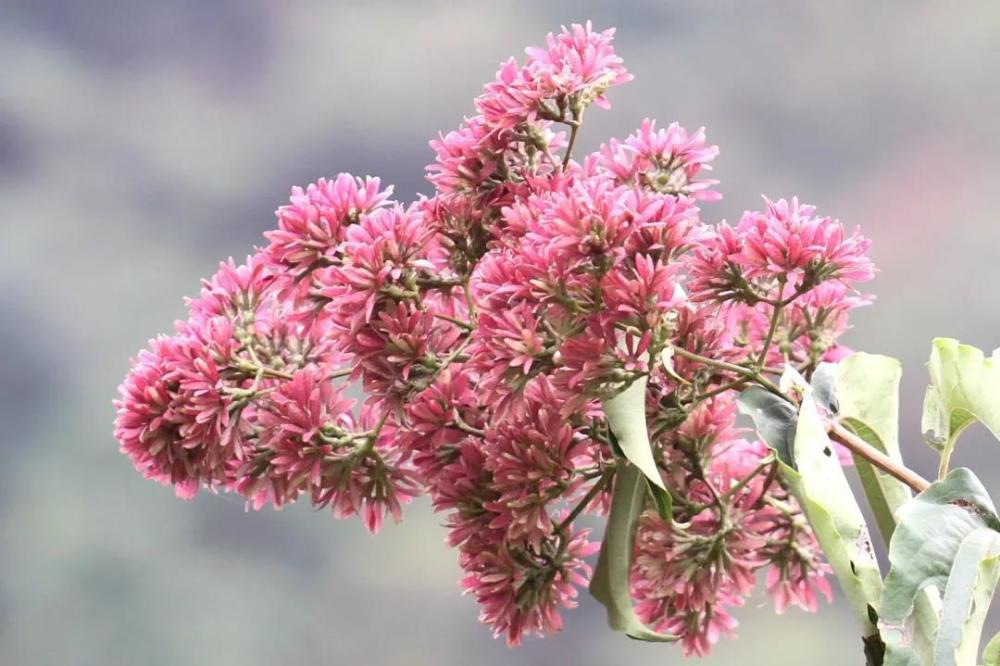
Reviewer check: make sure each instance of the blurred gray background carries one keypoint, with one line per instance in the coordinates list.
(142, 142)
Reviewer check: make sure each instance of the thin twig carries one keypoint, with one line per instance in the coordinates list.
(460, 424)
(864, 450)
(732, 367)
(587, 499)
(775, 316)
(574, 129)
(742, 483)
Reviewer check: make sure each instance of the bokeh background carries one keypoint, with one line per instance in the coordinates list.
(142, 142)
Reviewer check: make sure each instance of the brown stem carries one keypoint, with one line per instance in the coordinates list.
(862, 449)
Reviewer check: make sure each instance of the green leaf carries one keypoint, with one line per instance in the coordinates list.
(626, 413)
(663, 502)
(829, 504)
(610, 584)
(931, 529)
(934, 421)
(824, 386)
(930, 533)
(965, 387)
(818, 482)
(867, 387)
(967, 596)
(867, 400)
(903, 656)
(867, 395)
(774, 418)
(991, 654)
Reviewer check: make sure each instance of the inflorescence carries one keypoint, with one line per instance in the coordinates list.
(486, 324)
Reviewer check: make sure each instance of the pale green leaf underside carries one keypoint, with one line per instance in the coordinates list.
(867, 392)
(930, 550)
(965, 387)
(818, 482)
(867, 397)
(626, 414)
(821, 487)
(967, 596)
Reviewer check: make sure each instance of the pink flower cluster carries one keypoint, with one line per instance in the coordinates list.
(733, 521)
(486, 325)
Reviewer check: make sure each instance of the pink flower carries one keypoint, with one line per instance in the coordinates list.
(384, 256)
(400, 350)
(145, 427)
(588, 221)
(644, 298)
(786, 239)
(462, 489)
(666, 227)
(439, 418)
(798, 572)
(379, 483)
(598, 361)
(683, 580)
(509, 349)
(797, 583)
(466, 158)
(578, 62)
(710, 422)
(521, 590)
(306, 421)
(714, 269)
(573, 70)
(701, 629)
(310, 444)
(313, 223)
(534, 461)
(513, 97)
(235, 291)
(821, 316)
(666, 160)
(174, 416)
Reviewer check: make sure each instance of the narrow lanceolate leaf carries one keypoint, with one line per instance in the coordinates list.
(815, 476)
(610, 584)
(946, 538)
(626, 413)
(965, 387)
(867, 397)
